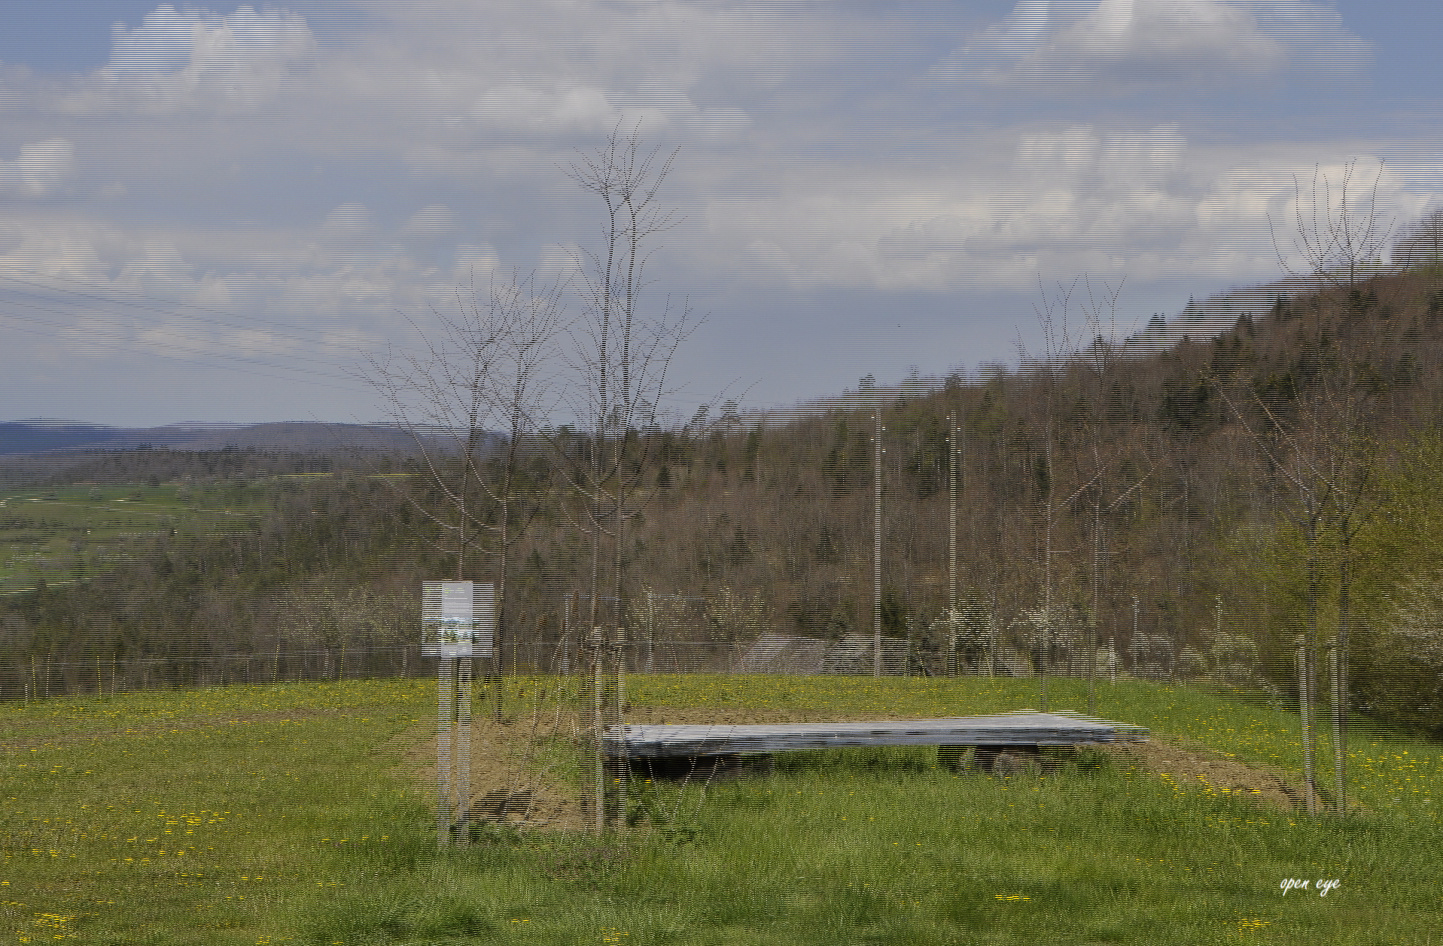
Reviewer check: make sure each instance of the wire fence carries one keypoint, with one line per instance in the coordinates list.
(30, 677)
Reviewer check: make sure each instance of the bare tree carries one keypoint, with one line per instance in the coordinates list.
(621, 353)
(1339, 237)
(470, 396)
(1058, 355)
(1327, 451)
(1421, 248)
(1322, 451)
(1421, 245)
(1101, 359)
(1291, 451)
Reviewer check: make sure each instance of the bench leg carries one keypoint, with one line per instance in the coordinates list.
(1006, 760)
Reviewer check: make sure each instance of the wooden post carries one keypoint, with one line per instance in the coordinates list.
(565, 667)
(1339, 761)
(622, 764)
(650, 632)
(463, 745)
(599, 799)
(445, 720)
(1305, 713)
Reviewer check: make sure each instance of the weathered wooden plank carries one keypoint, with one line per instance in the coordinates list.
(1023, 728)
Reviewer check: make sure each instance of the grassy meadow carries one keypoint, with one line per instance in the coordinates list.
(61, 533)
(283, 813)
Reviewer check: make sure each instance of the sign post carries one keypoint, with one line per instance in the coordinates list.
(458, 622)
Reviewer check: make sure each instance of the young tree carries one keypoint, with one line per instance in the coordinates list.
(1100, 358)
(470, 396)
(1330, 441)
(621, 352)
(620, 355)
(1058, 352)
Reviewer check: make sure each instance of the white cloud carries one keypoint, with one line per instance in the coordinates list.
(1144, 204)
(1085, 159)
(464, 116)
(176, 60)
(559, 260)
(264, 293)
(432, 222)
(40, 168)
(586, 110)
(161, 263)
(517, 108)
(348, 223)
(1135, 45)
(474, 262)
(348, 235)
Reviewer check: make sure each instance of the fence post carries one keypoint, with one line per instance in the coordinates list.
(1305, 712)
(445, 720)
(463, 744)
(622, 763)
(1339, 783)
(600, 761)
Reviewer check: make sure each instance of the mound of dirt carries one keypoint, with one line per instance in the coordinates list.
(511, 780)
(1200, 767)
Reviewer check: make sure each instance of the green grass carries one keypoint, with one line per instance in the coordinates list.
(1388, 769)
(282, 819)
(61, 533)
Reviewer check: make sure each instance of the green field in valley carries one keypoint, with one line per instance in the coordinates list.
(63, 533)
(284, 813)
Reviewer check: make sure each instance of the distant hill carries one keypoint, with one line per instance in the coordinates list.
(22, 437)
(43, 436)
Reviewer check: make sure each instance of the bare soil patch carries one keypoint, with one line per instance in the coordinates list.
(514, 777)
(1200, 767)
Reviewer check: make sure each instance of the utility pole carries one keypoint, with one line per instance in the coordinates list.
(1047, 572)
(952, 546)
(877, 545)
(1134, 632)
(650, 633)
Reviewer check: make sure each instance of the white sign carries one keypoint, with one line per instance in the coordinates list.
(458, 618)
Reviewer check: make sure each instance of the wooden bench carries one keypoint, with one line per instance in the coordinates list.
(1023, 732)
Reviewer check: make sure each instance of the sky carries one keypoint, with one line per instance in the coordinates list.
(223, 214)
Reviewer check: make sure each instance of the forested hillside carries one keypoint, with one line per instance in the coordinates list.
(1196, 506)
